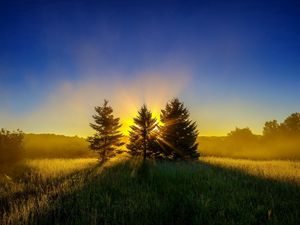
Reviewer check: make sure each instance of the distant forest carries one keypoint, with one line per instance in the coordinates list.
(279, 141)
(34, 146)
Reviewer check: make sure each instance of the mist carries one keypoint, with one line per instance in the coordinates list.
(68, 109)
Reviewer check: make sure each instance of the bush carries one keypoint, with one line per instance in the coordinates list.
(11, 144)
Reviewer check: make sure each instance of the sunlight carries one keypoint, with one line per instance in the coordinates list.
(283, 170)
(149, 112)
(156, 129)
(161, 140)
(128, 121)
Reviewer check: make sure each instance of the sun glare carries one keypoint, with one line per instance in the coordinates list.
(128, 122)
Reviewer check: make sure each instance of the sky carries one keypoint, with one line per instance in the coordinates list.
(232, 63)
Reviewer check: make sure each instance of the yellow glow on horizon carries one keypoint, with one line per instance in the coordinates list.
(69, 108)
(128, 121)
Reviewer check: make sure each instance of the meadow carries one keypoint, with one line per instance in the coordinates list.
(281, 170)
(211, 191)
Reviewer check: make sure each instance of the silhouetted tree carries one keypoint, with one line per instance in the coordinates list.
(241, 134)
(291, 125)
(271, 128)
(143, 135)
(107, 140)
(11, 144)
(178, 134)
(241, 140)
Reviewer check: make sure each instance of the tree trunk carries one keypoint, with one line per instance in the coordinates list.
(145, 146)
(104, 152)
(144, 155)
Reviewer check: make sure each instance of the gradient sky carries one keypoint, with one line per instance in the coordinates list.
(233, 63)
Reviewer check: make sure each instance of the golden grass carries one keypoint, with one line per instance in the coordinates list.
(283, 170)
(42, 181)
(50, 168)
(35, 194)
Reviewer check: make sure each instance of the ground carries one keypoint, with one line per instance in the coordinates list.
(212, 191)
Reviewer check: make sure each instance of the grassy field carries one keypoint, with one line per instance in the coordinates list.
(212, 191)
(282, 170)
(29, 187)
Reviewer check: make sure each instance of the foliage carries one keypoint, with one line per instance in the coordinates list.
(241, 139)
(10, 145)
(107, 140)
(178, 135)
(279, 141)
(142, 136)
(271, 128)
(241, 134)
(284, 137)
(289, 127)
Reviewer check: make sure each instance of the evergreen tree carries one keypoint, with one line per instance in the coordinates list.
(142, 137)
(178, 134)
(107, 139)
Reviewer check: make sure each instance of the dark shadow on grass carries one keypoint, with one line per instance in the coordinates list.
(35, 188)
(175, 193)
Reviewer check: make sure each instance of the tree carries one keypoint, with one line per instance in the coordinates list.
(178, 134)
(291, 125)
(241, 135)
(241, 140)
(142, 137)
(107, 139)
(11, 144)
(271, 128)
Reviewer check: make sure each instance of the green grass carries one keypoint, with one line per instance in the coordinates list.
(163, 193)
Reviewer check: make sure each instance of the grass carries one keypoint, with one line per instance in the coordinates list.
(282, 170)
(33, 185)
(53, 168)
(157, 193)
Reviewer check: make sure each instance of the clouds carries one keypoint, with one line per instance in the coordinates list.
(58, 60)
(69, 107)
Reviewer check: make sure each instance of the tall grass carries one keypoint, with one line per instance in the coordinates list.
(33, 185)
(283, 170)
(159, 193)
(52, 168)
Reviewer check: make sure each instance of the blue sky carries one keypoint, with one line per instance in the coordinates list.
(234, 63)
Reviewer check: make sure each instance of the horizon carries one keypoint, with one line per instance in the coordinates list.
(233, 64)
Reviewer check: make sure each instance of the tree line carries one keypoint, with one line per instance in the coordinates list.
(279, 140)
(10, 145)
(289, 128)
(174, 139)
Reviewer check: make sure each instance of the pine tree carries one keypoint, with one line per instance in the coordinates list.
(142, 137)
(107, 139)
(178, 135)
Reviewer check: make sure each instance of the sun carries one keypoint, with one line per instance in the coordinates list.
(128, 122)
